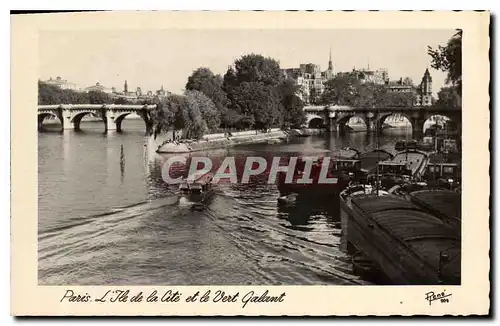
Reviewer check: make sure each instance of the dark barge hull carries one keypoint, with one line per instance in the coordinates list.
(314, 189)
(407, 244)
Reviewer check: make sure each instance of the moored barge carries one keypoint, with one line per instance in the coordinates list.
(444, 204)
(343, 167)
(408, 244)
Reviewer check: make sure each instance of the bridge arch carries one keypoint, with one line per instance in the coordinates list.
(383, 117)
(43, 115)
(343, 121)
(316, 122)
(313, 116)
(445, 121)
(77, 118)
(119, 117)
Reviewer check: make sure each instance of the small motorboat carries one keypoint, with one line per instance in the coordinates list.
(289, 199)
(197, 183)
(196, 189)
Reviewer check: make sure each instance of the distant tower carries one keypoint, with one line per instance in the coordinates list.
(329, 73)
(426, 88)
(427, 82)
(330, 65)
(125, 88)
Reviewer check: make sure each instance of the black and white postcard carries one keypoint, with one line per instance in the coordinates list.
(250, 163)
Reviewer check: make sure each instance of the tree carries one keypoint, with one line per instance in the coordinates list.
(48, 94)
(121, 100)
(292, 106)
(346, 89)
(230, 118)
(407, 81)
(253, 92)
(206, 106)
(259, 104)
(294, 115)
(449, 59)
(162, 116)
(98, 97)
(169, 114)
(51, 94)
(194, 124)
(404, 99)
(229, 81)
(204, 80)
(341, 90)
(449, 98)
(255, 68)
(178, 104)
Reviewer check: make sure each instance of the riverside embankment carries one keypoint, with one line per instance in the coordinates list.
(216, 141)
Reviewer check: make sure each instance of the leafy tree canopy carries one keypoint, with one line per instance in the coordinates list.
(347, 89)
(448, 59)
(197, 101)
(293, 114)
(255, 68)
(449, 98)
(261, 102)
(204, 80)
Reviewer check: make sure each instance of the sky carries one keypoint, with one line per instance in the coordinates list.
(151, 58)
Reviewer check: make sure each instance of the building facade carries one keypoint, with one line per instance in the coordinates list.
(311, 80)
(378, 76)
(99, 88)
(423, 92)
(62, 84)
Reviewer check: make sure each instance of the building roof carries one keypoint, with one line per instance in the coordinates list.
(98, 87)
(60, 82)
(427, 75)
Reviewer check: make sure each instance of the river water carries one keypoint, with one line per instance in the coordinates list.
(107, 217)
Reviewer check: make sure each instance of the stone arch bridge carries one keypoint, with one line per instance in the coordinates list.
(334, 118)
(70, 115)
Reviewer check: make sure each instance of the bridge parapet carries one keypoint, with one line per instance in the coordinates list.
(49, 107)
(97, 106)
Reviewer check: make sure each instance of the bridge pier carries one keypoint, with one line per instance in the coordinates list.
(66, 120)
(332, 125)
(371, 123)
(417, 127)
(110, 123)
(40, 122)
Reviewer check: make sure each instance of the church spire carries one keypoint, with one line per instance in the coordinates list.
(330, 65)
(427, 74)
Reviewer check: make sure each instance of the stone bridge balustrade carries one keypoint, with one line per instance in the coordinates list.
(71, 115)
